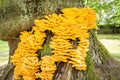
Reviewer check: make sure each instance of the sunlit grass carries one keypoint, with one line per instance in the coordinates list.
(3, 45)
(4, 51)
(116, 56)
(109, 36)
(112, 43)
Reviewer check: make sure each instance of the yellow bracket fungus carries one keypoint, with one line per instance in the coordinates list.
(72, 25)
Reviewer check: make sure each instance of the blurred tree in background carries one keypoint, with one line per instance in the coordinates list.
(108, 12)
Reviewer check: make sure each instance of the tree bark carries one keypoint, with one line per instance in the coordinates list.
(18, 15)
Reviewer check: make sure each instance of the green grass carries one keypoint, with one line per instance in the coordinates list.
(109, 36)
(4, 51)
(116, 56)
(112, 43)
(3, 45)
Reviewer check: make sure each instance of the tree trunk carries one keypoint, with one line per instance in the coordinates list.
(18, 15)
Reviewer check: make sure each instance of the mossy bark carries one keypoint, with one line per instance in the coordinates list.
(18, 15)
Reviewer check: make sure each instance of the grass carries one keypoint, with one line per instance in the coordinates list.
(112, 43)
(109, 36)
(4, 51)
(116, 56)
(3, 45)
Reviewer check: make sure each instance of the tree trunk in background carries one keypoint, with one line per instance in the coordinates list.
(18, 15)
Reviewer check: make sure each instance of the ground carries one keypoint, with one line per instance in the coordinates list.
(112, 43)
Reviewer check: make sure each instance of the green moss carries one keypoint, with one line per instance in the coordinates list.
(0, 2)
(46, 50)
(104, 54)
(102, 51)
(90, 72)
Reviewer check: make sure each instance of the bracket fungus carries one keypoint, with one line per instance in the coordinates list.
(73, 24)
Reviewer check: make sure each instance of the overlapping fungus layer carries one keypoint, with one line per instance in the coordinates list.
(25, 58)
(48, 67)
(72, 25)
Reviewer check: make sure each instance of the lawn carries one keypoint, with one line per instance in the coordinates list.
(112, 43)
(4, 51)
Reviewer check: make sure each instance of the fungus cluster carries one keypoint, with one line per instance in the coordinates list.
(72, 25)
